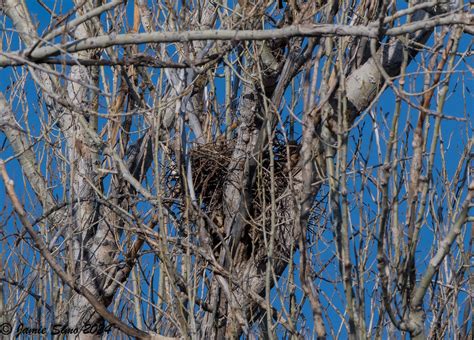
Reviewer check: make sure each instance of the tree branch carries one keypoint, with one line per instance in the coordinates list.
(443, 250)
(307, 30)
(68, 279)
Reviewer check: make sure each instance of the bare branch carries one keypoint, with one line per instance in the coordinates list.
(314, 30)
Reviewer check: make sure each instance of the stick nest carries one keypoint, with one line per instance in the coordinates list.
(210, 164)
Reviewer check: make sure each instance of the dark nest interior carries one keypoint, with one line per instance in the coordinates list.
(210, 167)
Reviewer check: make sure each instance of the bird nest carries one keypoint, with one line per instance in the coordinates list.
(210, 164)
(210, 167)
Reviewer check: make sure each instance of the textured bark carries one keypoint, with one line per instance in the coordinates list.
(242, 251)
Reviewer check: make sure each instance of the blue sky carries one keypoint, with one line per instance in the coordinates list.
(459, 104)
